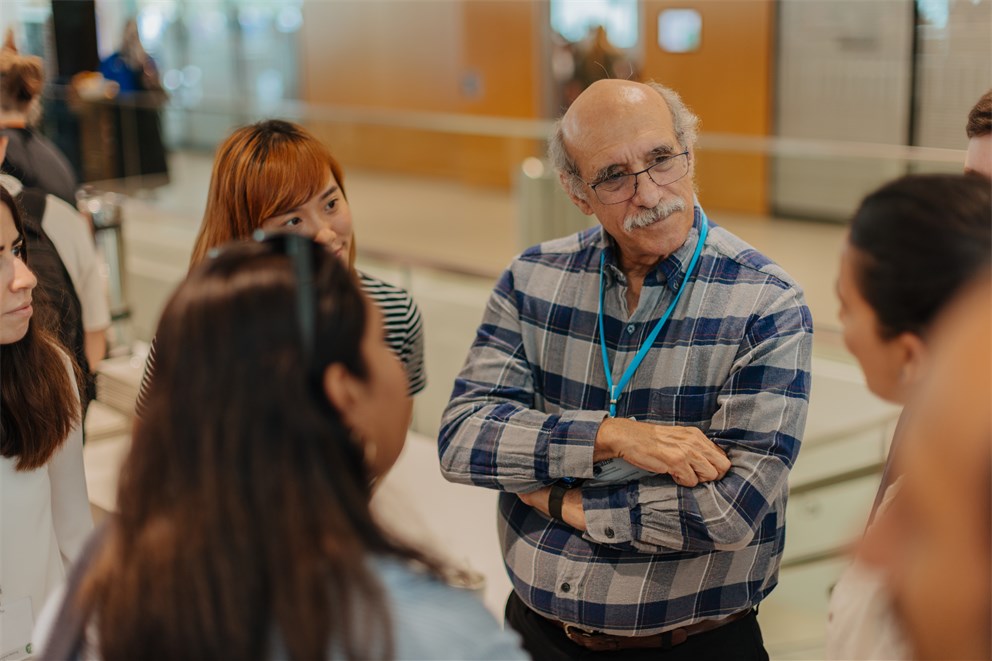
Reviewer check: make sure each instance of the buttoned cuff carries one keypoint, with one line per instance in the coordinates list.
(571, 442)
(608, 512)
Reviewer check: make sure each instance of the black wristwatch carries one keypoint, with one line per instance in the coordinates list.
(555, 500)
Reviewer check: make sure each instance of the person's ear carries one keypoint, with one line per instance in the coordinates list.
(343, 392)
(914, 355)
(566, 183)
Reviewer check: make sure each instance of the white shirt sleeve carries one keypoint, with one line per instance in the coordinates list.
(68, 230)
(71, 515)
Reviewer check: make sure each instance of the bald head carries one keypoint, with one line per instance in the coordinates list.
(598, 109)
(603, 102)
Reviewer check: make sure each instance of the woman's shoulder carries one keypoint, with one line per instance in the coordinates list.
(397, 305)
(432, 619)
(376, 287)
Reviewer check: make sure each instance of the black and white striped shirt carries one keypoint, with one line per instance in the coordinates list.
(404, 332)
(404, 328)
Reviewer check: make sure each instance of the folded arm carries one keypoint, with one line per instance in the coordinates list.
(491, 433)
(759, 422)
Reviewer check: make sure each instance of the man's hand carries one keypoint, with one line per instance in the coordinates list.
(685, 453)
(571, 507)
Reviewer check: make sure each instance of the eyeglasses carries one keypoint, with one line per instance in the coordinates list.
(618, 188)
(300, 250)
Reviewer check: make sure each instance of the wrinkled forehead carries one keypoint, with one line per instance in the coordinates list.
(620, 127)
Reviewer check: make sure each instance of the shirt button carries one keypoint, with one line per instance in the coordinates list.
(565, 587)
(630, 329)
(609, 533)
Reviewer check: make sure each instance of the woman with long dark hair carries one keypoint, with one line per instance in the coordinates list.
(244, 528)
(913, 245)
(276, 176)
(44, 510)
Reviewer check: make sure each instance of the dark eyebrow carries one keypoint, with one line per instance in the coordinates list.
(19, 239)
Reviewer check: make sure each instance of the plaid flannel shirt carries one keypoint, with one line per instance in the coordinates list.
(733, 361)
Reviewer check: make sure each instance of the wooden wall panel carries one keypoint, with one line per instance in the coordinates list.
(500, 40)
(728, 82)
(392, 54)
(454, 56)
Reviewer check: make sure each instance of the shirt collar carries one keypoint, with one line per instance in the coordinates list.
(669, 271)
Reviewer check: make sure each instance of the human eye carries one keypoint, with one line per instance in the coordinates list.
(331, 204)
(613, 181)
(18, 249)
(295, 221)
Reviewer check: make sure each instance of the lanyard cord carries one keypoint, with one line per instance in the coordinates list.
(617, 390)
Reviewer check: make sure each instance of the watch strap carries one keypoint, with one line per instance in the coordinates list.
(555, 501)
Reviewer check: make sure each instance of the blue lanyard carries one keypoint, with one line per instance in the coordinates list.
(617, 390)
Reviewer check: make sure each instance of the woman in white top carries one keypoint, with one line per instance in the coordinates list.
(244, 529)
(913, 244)
(44, 509)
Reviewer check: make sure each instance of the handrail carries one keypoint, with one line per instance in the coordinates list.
(529, 128)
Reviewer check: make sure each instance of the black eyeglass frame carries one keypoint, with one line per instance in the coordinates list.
(647, 171)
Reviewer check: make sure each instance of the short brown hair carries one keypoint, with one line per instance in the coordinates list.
(980, 117)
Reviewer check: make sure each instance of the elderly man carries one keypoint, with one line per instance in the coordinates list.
(638, 391)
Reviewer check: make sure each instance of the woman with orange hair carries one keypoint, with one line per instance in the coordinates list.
(276, 176)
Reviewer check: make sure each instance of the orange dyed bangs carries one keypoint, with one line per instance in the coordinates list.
(292, 173)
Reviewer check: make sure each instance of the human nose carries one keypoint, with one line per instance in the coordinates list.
(647, 194)
(24, 278)
(325, 234)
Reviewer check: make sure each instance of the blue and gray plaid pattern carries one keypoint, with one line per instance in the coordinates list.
(734, 361)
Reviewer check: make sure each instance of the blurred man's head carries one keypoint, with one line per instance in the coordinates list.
(979, 130)
(934, 542)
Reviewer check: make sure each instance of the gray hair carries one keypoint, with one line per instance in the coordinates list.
(684, 122)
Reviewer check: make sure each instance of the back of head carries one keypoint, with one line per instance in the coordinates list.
(22, 78)
(261, 170)
(980, 117)
(244, 499)
(918, 239)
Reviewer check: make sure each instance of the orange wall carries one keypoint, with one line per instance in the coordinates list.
(728, 83)
(419, 56)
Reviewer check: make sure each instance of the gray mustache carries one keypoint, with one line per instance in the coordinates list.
(663, 210)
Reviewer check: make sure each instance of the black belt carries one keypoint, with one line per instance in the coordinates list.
(604, 642)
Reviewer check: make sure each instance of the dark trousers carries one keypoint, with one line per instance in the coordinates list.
(737, 641)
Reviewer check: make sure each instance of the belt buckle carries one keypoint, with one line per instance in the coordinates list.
(572, 631)
(590, 639)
